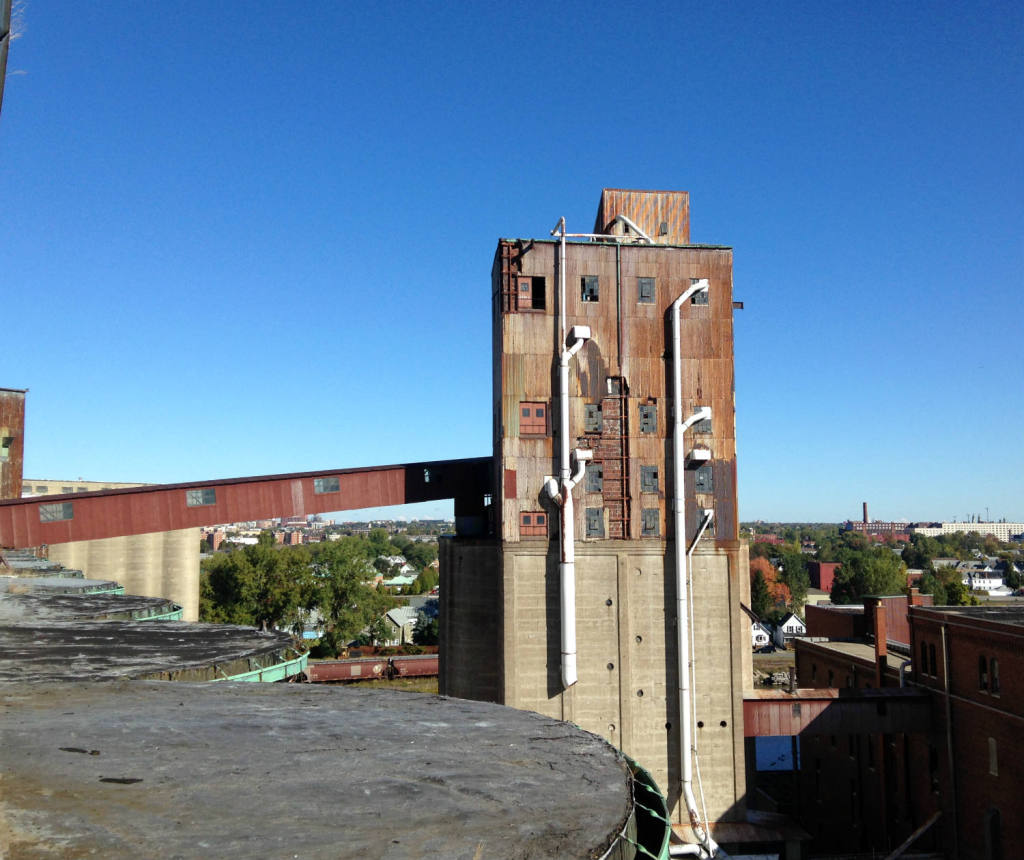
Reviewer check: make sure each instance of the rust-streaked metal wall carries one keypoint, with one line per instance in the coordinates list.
(12, 437)
(629, 348)
(663, 215)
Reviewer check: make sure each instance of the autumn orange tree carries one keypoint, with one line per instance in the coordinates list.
(778, 594)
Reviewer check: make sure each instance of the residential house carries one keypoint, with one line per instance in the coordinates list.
(789, 628)
(760, 635)
(400, 623)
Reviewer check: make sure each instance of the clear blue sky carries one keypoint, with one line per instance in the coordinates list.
(245, 238)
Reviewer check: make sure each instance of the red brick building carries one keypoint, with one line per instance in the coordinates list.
(952, 785)
(822, 573)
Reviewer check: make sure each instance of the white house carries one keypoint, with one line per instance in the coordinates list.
(759, 635)
(788, 628)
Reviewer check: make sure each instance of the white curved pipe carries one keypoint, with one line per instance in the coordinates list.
(707, 844)
(622, 219)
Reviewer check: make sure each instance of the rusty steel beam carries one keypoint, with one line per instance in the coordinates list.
(166, 507)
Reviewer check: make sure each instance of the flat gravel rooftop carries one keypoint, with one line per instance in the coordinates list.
(150, 769)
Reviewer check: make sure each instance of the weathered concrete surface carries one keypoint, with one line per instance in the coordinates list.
(144, 769)
(44, 608)
(51, 584)
(112, 650)
(502, 612)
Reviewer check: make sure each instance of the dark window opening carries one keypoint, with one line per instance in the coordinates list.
(589, 289)
(537, 293)
(983, 674)
(933, 666)
(993, 677)
(700, 298)
(648, 479)
(5, 447)
(592, 418)
(645, 291)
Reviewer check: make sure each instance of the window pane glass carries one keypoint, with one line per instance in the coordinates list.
(56, 512)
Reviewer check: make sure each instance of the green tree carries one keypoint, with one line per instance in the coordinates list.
(793, 573)
(426, 630)
(876, 571)
(760, 598)
(346, 603)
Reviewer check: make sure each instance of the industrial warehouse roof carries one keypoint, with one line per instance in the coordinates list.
(1011, 615)
(149, 769)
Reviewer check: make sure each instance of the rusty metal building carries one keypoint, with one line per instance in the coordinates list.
(12, 440)
(599, 423)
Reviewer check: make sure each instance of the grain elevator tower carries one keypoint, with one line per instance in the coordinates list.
(613, 398)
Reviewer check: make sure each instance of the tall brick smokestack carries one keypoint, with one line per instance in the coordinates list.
(865, 512)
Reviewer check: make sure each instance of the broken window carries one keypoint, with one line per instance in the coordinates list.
(592, 417)
(533, 419)
(645, 293)
(326, 485)
(589, 288)
(704, 479)
(5, 448)
(595, 522)
(648, 418)
(648, 479)
(702, 426)
(700, 298)
(57, 511)
(650, 522)
(595, 478)
(198, 498)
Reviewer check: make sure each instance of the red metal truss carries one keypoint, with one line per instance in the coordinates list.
(166, 507)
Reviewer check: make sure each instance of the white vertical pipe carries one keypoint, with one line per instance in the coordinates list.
(682, 614)
(561, 492)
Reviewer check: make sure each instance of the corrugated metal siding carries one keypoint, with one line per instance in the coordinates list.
(629, 339)
(12, 425)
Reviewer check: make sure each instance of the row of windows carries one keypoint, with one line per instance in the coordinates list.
(533, 419)
(704, 479)
(202, 497)
(532, 292)
(595, 478)
(535, 523)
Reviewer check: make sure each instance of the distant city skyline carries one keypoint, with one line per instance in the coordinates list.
(222, 261)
